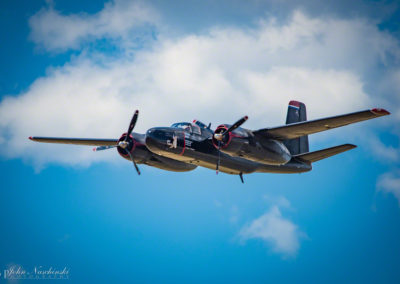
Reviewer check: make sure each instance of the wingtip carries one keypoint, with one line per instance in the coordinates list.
(30, 138)
(351, 146)
(380, 111)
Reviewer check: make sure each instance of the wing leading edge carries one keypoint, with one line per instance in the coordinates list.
(76, 141)
(299, 129)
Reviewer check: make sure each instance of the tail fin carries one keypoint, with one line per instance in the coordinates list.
(324, 153)
(297, 113)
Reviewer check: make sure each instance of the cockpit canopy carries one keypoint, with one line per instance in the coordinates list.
(188, 127)
(197, 127)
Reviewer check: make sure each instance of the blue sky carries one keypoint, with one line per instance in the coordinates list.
(81, 69)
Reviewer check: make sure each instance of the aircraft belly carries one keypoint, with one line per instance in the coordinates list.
(228, 164)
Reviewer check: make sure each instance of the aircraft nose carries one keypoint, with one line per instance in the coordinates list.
(150, 132)
(157, 137)
(158, 133)
(165, 141)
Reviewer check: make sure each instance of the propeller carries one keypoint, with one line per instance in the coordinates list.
(219, 156)
(100, 148)
(132, 124)
(134, 163)
(221, 135)
(124, 144)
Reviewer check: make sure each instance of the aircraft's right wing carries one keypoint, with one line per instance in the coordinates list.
(295, 130)
(77, 141)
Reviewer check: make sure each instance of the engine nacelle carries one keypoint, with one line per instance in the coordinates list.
(123, 152)
(242, 143)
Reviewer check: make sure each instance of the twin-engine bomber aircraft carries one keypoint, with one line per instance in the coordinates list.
(229, 148)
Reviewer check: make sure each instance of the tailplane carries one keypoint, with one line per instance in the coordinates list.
(297, 113)
(315, 156)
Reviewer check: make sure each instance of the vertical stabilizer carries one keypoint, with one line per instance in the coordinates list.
(297, 113)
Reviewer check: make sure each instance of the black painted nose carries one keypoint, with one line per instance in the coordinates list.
(159, 134)
(158, 137)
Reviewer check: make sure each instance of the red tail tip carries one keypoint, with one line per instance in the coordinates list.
(30, 137)
(94, 149)
(246, 117)
(294, 103)
(380, 111)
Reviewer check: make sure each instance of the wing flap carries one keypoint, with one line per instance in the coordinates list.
(324, 153)
(76, 141)
(295, 130)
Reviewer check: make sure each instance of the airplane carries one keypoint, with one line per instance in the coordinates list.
(229, 148)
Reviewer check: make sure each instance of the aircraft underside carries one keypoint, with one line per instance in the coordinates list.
(233, 165)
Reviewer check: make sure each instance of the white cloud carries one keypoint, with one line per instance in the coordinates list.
(383, 152)
(390, 183)
(279, 233)
(218, 76)
(56, 32)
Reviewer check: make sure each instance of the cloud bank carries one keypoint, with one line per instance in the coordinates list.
(217, 76)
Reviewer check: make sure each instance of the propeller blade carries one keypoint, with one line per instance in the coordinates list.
(132, 124)
(134, 163)
(236, 124)
(219, 156)
(219, 137)
(100, 148)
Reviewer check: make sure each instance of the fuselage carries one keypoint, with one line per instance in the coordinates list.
(192, 144)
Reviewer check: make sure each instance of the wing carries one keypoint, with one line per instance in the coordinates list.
(325, 153)
(295, 130)
(76, 141)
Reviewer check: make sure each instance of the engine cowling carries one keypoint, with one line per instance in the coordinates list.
(226, 139)
(131, 146)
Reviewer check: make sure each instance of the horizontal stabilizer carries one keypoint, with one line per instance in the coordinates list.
(76, 141)
(300, 129)
(325, 153)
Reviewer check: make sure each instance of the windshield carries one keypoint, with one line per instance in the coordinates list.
(191, 128)
(199, 123)
(184, 125)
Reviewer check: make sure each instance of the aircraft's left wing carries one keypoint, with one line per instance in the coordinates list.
(76, 141)
(295, 130)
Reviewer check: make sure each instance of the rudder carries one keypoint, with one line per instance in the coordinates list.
(297, 113)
